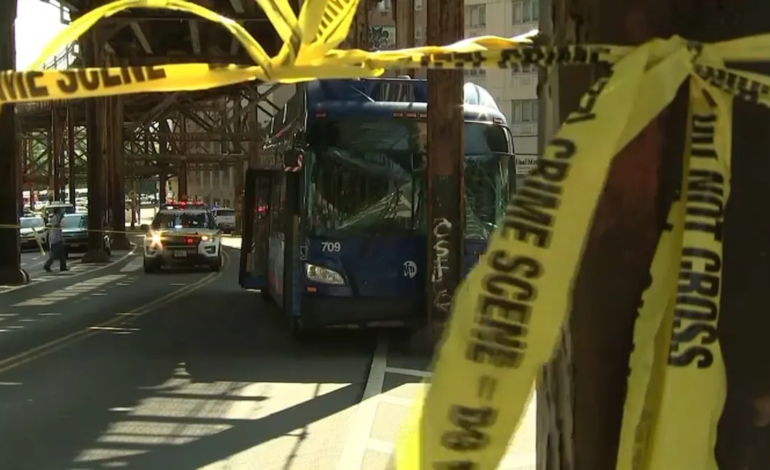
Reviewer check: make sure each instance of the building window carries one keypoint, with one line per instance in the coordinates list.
(475, 73)
(476, 16)
(417, 34)
(524, 111)
(390, 38)
(384, 5)
(526, 11)
(524, 68)
(418, 5)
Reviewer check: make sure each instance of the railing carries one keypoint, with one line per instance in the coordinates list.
(62, 61)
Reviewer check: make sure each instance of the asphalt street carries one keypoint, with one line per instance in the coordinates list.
(106, 367)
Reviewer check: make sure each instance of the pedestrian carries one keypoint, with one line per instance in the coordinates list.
(56, 241)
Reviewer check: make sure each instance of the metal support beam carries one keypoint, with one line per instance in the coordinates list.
(58, 141)
(445, 164)
(182, 175)
(195, 37)
(10, 191)
(141, 37)
(94, 145)
(360, 27)
(237, 6)
(71, 158)
(403, 11)
(153, 113)
(163, 175)
(118, 176)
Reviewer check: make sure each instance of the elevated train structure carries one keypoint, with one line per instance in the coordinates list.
(149, 136)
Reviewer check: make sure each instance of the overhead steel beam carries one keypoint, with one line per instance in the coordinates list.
(153, 113)
(190, 158)
(140, 36)
(234, 43)
(195, 37)
(192, 136)
(237, 6)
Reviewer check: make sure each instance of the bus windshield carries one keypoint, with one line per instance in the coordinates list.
(368, 177)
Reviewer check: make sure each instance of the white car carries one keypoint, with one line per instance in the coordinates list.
(225, 219)
(182, 235)
(30, 226)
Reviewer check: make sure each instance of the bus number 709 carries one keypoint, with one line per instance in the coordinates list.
(331, 246)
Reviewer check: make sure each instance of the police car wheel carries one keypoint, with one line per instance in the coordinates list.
(150, 267)
(216, 266)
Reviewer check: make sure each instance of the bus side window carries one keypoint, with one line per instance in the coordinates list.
(276, 204)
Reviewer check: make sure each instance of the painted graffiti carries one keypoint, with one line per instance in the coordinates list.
(442, 300)
(441, 230)
(380, 38)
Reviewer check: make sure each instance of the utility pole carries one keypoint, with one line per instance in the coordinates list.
(446, 216)
(582, 391)
(10, 168)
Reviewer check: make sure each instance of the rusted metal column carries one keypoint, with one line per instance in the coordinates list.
(118, 177)
(59, 136)
(403, 12)
(182, 145)
(10, 188)
(71, 157)
(50, 142)
(360, 27)
(89, 47)
(163, 167)
(445, 164)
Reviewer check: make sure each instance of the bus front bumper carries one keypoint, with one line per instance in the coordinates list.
(363, 312)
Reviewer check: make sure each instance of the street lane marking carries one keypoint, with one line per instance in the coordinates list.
(120, 319)
(411, 372)
(70, 291)
(378, 445)
(7, 289)
(355, 448)
(133, 265)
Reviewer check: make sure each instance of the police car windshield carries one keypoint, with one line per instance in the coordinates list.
(169, 220)
(74, 221)
(29, 222)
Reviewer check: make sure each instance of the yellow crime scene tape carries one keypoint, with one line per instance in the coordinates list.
(507, 314)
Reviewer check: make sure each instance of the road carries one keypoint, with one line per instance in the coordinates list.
(105, 367)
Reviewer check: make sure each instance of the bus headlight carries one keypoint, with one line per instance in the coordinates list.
(323, 275)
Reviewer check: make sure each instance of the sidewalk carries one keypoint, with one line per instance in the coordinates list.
(394, 382)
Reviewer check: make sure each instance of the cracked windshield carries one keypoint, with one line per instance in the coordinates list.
(246, 275)
(367, 177)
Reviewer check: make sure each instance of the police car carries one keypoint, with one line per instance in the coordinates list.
(182, 235)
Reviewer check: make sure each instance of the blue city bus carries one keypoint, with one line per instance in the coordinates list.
(341, 241)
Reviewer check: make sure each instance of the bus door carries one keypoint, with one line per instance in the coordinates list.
(256, 218)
